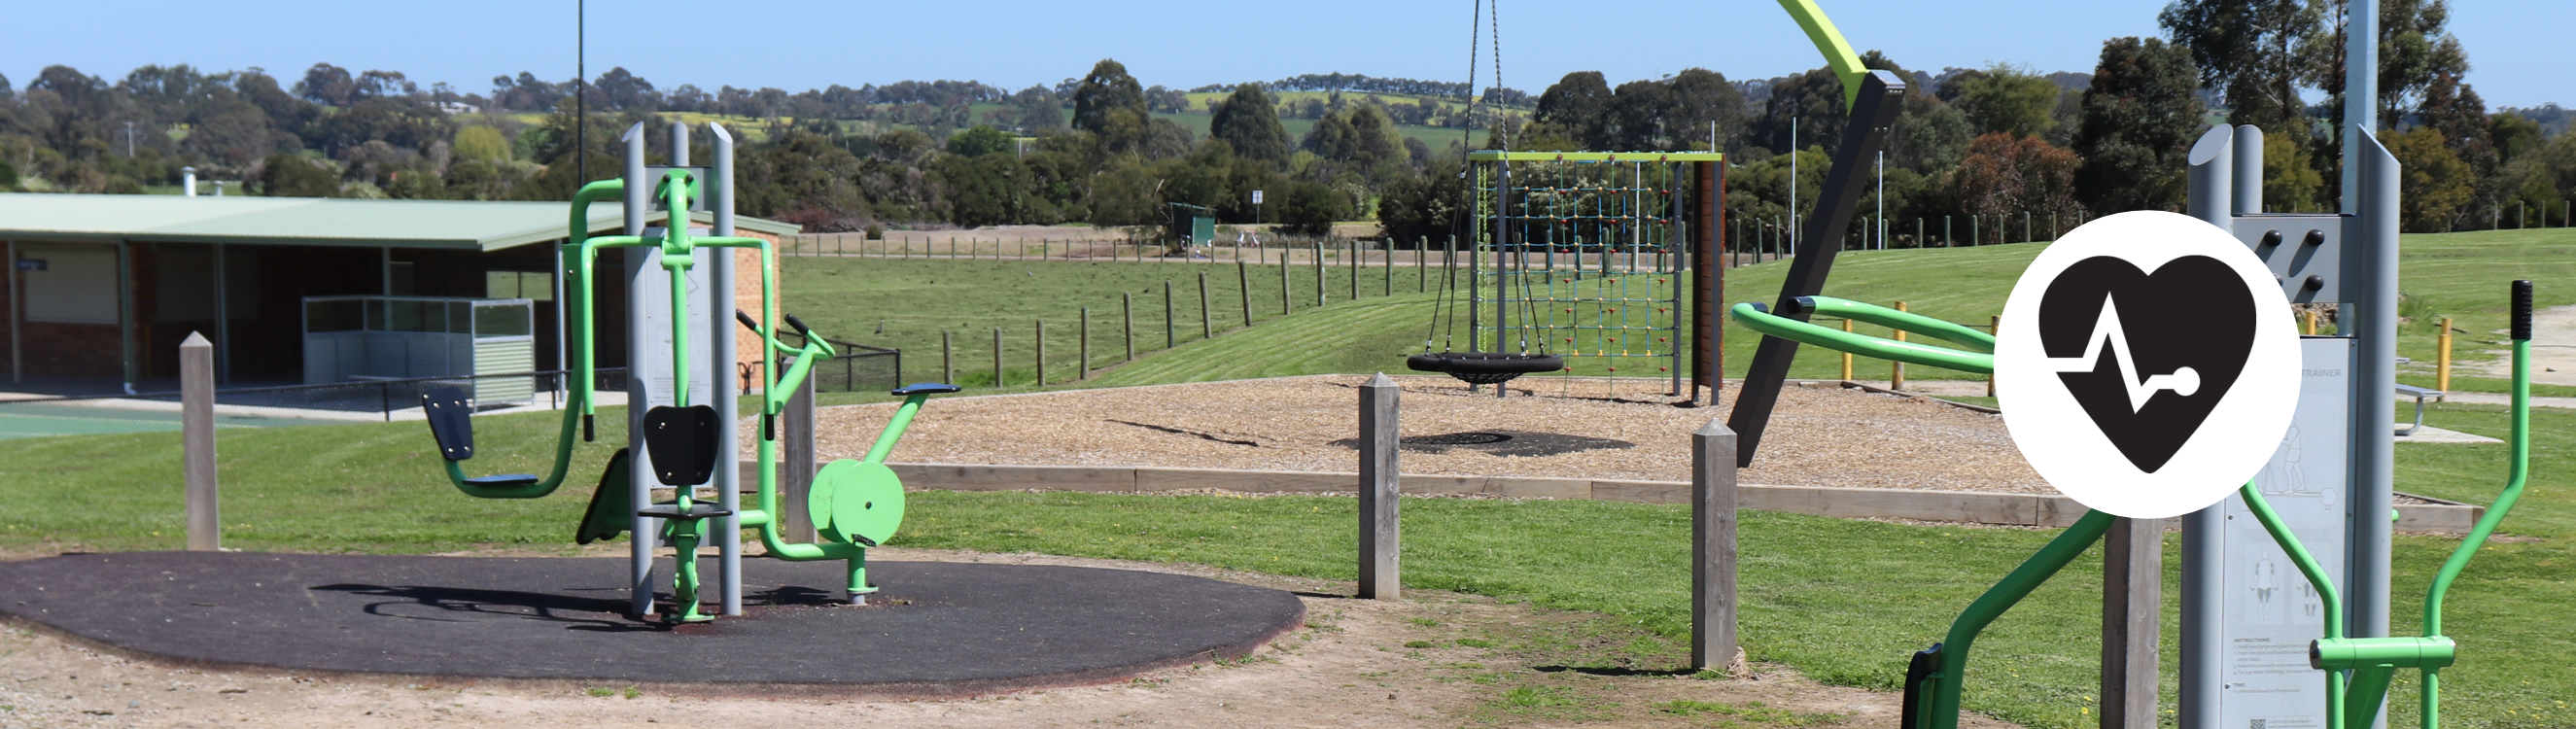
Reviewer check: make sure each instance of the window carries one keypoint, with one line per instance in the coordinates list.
(70, 284)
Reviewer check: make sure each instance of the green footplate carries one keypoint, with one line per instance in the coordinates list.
(856, 503)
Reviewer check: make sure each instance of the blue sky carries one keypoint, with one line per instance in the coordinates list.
(797, 45)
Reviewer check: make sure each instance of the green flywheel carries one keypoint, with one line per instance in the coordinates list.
(856, 503)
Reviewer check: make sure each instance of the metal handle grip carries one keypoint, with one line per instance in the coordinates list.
(2522, 311)
(747, 321)
(801, 330)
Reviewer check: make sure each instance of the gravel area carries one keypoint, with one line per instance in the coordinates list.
(1817, 437)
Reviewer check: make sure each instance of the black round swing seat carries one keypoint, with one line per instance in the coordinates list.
(1484, 368)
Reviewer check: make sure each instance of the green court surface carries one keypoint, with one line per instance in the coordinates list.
(42, 419)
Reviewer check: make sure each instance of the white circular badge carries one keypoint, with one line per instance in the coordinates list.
(2146, 364)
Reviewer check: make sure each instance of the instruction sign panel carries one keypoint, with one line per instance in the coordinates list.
(2268, 610)
(2149, 364)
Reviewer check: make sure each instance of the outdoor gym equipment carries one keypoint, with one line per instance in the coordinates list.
(2357, 670)
(678, 444)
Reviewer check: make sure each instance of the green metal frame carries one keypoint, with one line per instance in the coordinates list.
(579, 256)
(2357, 671)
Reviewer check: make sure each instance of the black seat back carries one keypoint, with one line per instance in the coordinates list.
(682, 443)
(451, 421)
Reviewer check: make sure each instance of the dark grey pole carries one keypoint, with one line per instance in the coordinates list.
(1380, 541)
(947, 357)
(1207, 327)
(2203, 541)
(1127, 323)
(997, 357)
(1243, 284)
(1713, 499)
(1169, 339)
(2132, 621)
(1041, 352)
(197, 423)
(1083, 368)
(796, 464)
(1286, 297)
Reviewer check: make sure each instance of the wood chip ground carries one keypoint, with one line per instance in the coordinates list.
(1817, 437)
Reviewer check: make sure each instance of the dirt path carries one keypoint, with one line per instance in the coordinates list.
(1433, 660)
(2553, 348)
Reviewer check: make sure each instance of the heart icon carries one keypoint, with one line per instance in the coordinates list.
(2148, 356)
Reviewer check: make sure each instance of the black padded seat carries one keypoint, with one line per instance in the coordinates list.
(505, 479)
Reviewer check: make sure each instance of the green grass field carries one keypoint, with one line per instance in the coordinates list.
(1843, 601)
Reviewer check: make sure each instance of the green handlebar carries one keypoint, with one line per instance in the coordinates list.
(1753, 316)
(1941, 710)
(1954, 333)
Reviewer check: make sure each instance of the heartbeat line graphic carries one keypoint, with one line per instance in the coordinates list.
(2107, 333)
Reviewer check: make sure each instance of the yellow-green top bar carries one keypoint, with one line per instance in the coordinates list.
(1838, 52)
(1490, 155)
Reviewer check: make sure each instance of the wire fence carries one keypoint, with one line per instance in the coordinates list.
(384, 396)
(859, 368)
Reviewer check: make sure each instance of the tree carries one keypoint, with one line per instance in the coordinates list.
(481, 143)
(2008, 175)
(287, 175)
(2434, 186)
(2252, 49)
(1311, 208)
(328, 85)
(2009, 100)
(1105, 94)
(984, 190)
(980, 141)
(2138, 121)
(1577, 107)
(1248, 122)
(1426, 207)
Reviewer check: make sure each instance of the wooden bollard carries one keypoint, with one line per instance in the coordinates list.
(1380, 528)
(1847, 356)
(197, 437)
(1713, 522)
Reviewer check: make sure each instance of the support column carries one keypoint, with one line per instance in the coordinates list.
(1708, 281)
(2203, 539)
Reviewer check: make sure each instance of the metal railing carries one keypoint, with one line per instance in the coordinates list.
(385, 396)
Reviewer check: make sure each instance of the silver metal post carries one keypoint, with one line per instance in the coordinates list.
(643, 530)
(2374, 396)
(723, 352)
(2203, 537)
(2360, 92)
(2247, 186)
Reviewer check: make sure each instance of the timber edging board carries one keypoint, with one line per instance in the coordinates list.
(1970, 507)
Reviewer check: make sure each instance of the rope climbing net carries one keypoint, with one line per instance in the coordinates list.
(1583, 255)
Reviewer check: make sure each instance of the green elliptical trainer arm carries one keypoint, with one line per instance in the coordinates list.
(2374, 661)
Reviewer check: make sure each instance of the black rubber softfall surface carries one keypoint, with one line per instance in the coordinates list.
(935, 629)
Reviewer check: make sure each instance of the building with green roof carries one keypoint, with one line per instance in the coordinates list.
(107, 286)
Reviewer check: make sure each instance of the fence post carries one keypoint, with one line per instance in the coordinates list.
(1169, 341)
(997, 357)
(797, 479)
(1083, 368)
(1713, 520)
(1896, 371)
(1381, 543)
(1243, 284)
(1285, 299)
(197, 421)
(2442, 360)
(1390, 267)
(1319, 273)
(1207, 329)
(947, 358)
(2132, 602)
